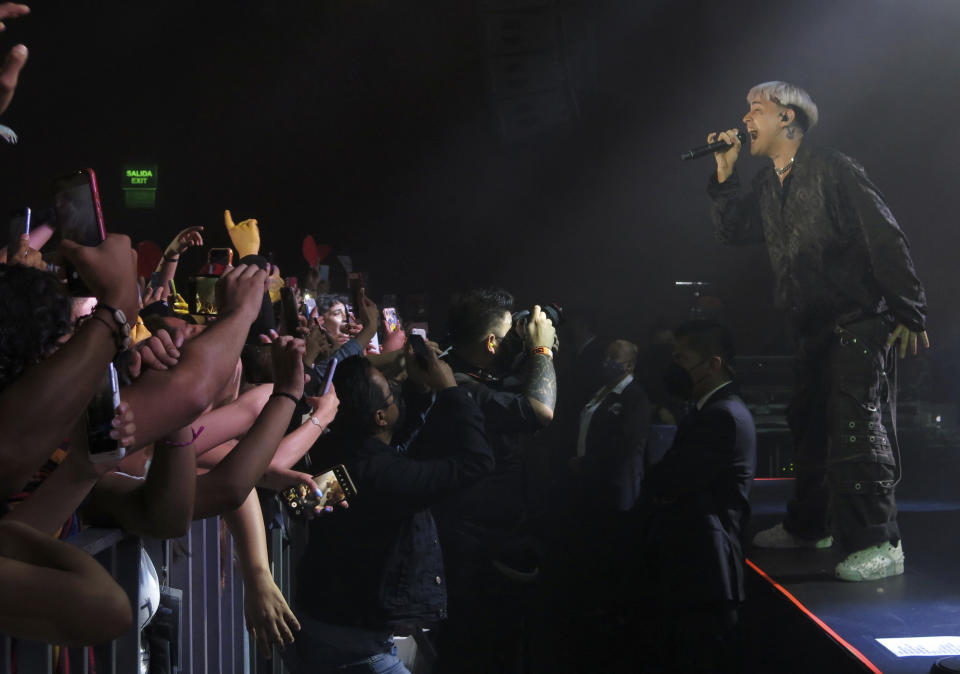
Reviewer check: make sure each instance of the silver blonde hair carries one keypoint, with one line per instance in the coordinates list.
(789, 96)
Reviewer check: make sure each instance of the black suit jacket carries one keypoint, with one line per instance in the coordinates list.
(612, 466)
(696, 500)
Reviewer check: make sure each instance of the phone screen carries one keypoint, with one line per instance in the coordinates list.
(335, 487)
(100, 413)
(202, 290)
(309, 305)
(77, 203)
(19, 225)
(391, 320)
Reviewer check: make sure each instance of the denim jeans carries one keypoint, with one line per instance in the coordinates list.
(312, 655)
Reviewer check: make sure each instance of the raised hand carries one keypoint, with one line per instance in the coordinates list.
(26, 256)
(109, 271)
(287, 353)
(16, 58)
(540, 330)
(191, 236)
(241, 289)
(727, 158)
(436, 376)
(245, 235)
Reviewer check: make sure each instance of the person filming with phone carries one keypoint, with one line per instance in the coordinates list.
(376, 568)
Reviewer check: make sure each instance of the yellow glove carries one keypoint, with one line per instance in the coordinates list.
(245, 235)
(274, 283)
(139, 331)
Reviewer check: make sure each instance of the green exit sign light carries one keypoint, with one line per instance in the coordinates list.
(139, 184)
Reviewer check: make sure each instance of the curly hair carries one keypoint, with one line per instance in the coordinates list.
(34, 317)
(474, 313)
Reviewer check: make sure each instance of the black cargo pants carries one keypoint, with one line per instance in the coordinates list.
(844, 457)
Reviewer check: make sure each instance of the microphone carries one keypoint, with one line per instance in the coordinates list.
(710, 148)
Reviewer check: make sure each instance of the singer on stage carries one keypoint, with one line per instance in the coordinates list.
(846, 280)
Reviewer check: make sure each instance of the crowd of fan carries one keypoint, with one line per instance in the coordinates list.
(436, 443)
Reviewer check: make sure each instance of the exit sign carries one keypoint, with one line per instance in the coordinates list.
(139, 183)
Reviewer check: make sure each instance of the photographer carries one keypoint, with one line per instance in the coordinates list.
(377, 567)
(509, 371)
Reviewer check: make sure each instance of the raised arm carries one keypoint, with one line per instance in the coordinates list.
(37, 410)
(541, 385)
(167, 400)
(226, 486)
(736, 214)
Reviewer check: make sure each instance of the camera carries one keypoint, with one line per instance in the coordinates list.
(553, 311)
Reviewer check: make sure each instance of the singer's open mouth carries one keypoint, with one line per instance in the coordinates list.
(753, 134)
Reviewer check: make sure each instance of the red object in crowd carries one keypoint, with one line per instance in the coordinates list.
(313, 253)
(148, 257)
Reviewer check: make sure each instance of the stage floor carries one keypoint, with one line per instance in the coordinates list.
(925, 601)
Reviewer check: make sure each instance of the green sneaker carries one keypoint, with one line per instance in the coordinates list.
(779, 538)
(874, 563)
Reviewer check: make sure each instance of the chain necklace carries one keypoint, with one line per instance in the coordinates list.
(781, 171)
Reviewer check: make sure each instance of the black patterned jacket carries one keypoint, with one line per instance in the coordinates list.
(835, 247)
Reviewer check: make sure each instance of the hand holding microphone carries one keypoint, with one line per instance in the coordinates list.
(725, 148)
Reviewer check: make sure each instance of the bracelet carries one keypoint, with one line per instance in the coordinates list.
(170, 259)
(285, 395)
(545, 351)
(196, 434)
(104, 321)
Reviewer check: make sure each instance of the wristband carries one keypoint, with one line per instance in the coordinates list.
(170, 259)
(282, 394)
(544, 350)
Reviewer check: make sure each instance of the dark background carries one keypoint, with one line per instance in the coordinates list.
(373, 125)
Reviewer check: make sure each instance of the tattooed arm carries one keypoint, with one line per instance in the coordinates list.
(541, 387)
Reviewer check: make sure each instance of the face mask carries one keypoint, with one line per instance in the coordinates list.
(612, 371)
(677, 381)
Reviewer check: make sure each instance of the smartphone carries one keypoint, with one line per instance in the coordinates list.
(221, 256)
(99, 418)
(19, 225)
(154, 280)
(421, 350)
(288, 303)
(76, 200)
(355, 283)
(257, 361)
(328, 377)
(309, 304)
(335, 487)
(391, 320)
(418, 329)
(202, 294)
